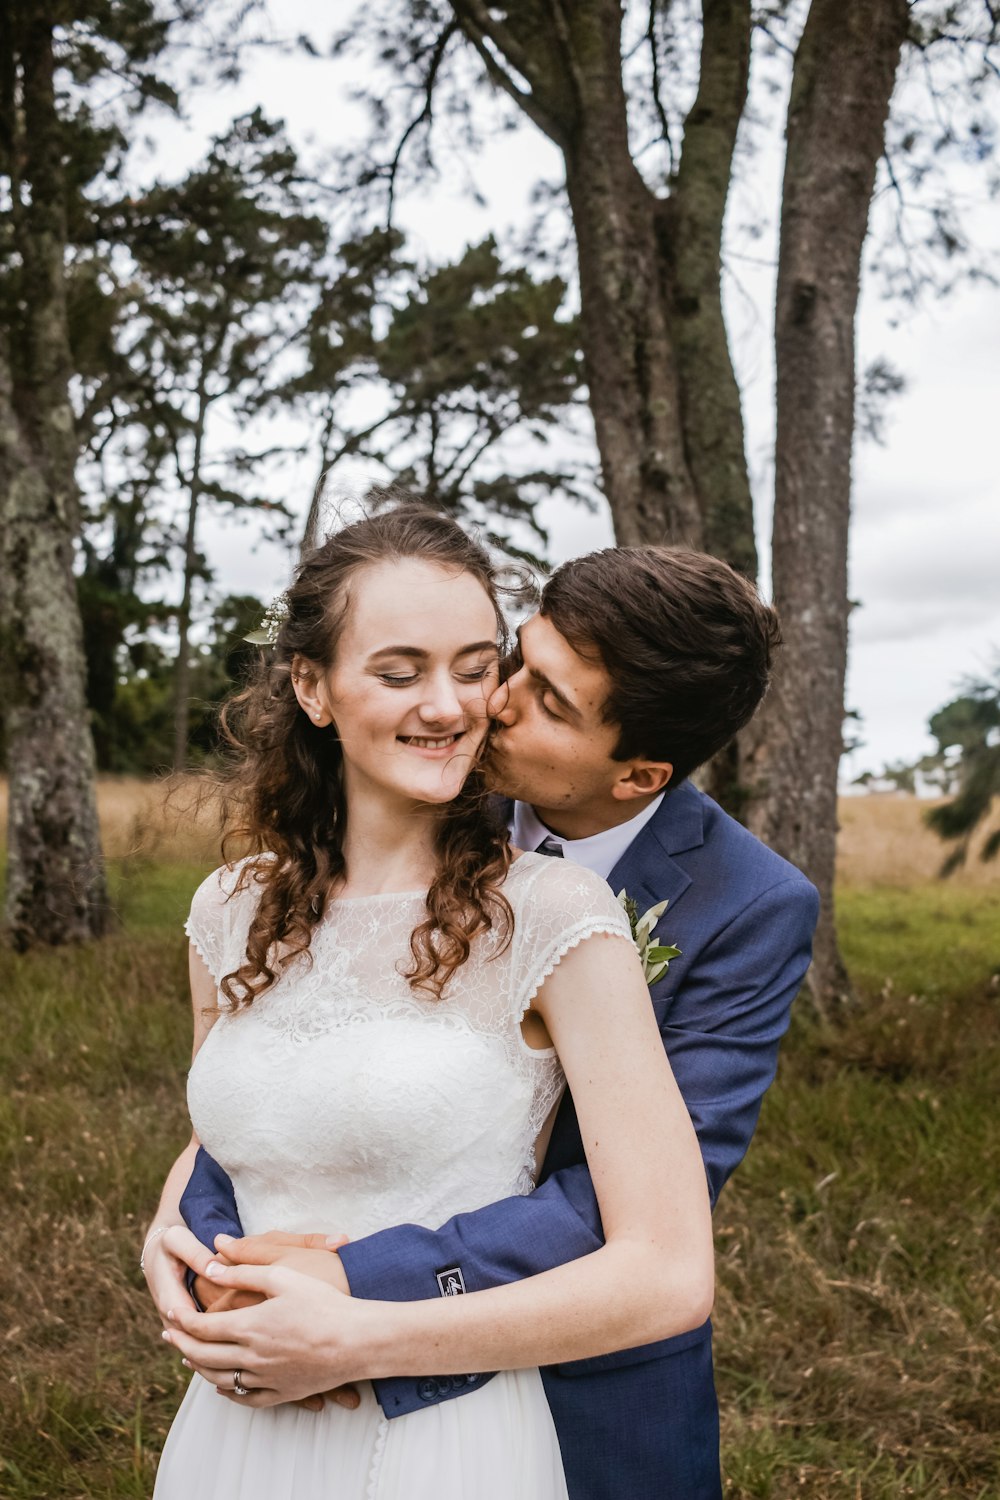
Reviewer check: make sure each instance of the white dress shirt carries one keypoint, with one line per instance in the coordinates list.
(600, 852)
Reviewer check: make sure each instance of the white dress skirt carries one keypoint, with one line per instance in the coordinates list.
(496, 1443)
(341, 1102)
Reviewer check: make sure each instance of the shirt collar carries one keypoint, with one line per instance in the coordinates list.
(600, 852)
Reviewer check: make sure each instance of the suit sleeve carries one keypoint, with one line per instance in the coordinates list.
(208, 1203)
(745, 979)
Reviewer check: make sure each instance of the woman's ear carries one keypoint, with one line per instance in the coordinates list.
(306, 680)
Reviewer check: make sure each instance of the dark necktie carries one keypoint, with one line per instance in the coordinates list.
(551, 848)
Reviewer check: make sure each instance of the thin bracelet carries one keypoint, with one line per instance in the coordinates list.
(153, 1234)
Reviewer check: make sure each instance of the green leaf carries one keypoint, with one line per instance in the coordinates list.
(662, 953)
(648, 921)
(630, 909)
(653, 915)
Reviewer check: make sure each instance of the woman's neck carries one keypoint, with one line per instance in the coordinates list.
(389, 845)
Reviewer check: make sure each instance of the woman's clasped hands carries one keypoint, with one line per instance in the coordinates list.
(265, 1319)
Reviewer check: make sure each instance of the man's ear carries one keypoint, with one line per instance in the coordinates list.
(643, 778)
(305, 685)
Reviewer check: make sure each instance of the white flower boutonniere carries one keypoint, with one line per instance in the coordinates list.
(655, 956)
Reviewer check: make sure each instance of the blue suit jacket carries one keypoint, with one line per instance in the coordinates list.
(642, 1422)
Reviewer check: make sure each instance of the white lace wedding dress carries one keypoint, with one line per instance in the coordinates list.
(340, 1101)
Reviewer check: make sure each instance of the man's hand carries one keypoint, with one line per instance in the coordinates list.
(313, 1254)
(270, 1249)
(296, 1341)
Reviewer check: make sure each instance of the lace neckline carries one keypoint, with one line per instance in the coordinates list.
(380, 896)
(526, 855)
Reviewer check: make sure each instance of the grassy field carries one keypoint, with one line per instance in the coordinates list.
(856, 1340)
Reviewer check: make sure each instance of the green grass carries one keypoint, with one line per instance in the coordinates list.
(856, 1345)
(856, 1340)
(91, 1113)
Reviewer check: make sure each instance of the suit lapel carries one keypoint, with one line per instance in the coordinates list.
(648, 870)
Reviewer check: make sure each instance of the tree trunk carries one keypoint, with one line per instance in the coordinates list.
(182, 674)
(627, 344)
(842, 83)
(711, 412)
(692, 218)
(56, 889)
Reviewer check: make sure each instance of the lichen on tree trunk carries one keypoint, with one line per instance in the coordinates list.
(55, 874)
(56, 889)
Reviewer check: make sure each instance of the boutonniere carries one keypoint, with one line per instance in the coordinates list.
(655, 956)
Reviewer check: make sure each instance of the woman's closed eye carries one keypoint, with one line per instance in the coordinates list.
(478, 674)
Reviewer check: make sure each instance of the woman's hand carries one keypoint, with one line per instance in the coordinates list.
(167, 1259)
(312, 1254)
(296, 1342)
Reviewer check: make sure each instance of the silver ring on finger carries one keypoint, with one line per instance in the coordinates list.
(239, 1389)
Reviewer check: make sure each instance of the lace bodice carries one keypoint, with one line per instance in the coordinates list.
(341, 1100)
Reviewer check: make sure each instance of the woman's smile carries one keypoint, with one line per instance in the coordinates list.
(430, 745)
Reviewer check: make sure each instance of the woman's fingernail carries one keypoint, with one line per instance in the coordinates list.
(213, 1269)
(186, 1363)
(225, 1239)
(171, 1315)
(167, 1334)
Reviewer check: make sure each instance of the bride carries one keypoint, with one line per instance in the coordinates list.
(388, 1002)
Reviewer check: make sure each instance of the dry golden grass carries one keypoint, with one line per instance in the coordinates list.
(155, 819)
(884, 841)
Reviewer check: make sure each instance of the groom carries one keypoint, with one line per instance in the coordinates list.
(639, 666)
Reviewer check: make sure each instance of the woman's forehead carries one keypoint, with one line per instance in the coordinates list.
(415, 602)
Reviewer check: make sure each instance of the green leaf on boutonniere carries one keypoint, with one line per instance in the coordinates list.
(655, 956)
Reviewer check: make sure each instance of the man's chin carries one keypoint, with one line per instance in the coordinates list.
(500, 777)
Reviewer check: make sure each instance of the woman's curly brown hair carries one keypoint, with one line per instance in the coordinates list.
(282, 794)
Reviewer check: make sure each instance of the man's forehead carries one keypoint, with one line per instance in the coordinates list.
(544, 650)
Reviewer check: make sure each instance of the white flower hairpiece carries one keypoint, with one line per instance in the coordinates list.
(275, 616)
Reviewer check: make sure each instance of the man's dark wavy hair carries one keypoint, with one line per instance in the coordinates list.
(686, 641)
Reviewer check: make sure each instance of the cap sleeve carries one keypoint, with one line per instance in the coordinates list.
(556, 906)
(212, 921)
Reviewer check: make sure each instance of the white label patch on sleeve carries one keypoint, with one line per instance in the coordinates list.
(451, 1281)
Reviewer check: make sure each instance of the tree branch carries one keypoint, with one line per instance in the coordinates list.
(426, 114)
(478, 25)
(474, 13)
(566, 43)
(654, 52)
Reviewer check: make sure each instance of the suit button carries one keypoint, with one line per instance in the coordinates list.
(427, 1390)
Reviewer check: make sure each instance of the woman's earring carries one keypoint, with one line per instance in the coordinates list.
(317, 714)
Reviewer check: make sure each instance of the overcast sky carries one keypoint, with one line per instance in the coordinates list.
(925, 548)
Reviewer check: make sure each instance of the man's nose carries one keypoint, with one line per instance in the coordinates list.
(501, 704)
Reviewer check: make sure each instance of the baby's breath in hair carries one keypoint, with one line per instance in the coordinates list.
(275, 616)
